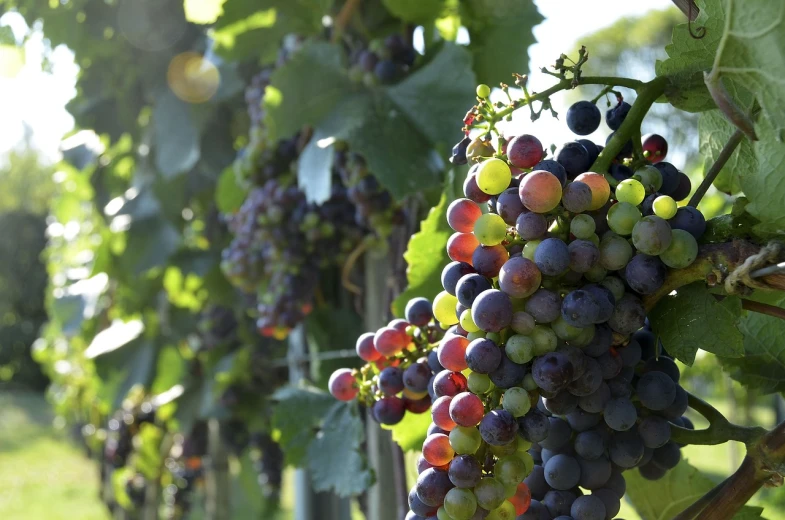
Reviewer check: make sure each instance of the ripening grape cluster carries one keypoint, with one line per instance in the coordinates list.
(548, 383)
(281, 241)
(383, 61)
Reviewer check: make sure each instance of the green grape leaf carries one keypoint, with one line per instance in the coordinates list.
(425, 257)
(410, 432)
(151, 242)
(416, 11)
(665, 498)
(297, 414)
(229, 194)
(693, 319)
(501, 33)
(335, 456)
(314, 168)
(176, 135)
(766, 185)
(763, 364)
(254, 28)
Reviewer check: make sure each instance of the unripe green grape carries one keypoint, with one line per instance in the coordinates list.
(650, 177)
(522, 449)
(519, 348)
(651, 235)
(614, 285)
(502, 451)
(493, 177)
(516, 401)
(510, 490)
(483, 91)
(630, 191)
(682, 251)
(444, 308)
(564, 330)
(490, 229)
(465, 440)
(489, 493)
(615, 252)
(596, 273)
(582, 226)
(529, 384)
(510, 470)
(622, 217)
(594, 239)
(584, 338)
(529, 248)
(544, 340)
(665, 207)
(505, 511)
(479, 383)
(460, 503)
(479, 148)
(442, 514)
(494, 336)
(467, 322)
(475, 335)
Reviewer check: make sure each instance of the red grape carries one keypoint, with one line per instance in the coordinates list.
(389, 341)
(466, 409)
(452, 353)
(540, 191)
(440, 413)
(524, 151)
(461, 215)
(488, 260)
(365, 348)
(436, 449)
(343, 385)
(449, 383)
(519, 277)
(656, 146)
(522, 499)
(461, 246)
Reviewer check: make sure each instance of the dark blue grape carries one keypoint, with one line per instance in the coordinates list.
(690, 220)
(684, 189)
(419, 311)
(604, 298)
(559, 502)
(465, 471)
(615, 116)
(590, 444)
(663, 364)
(498, 427)
(610, 500)
(576, 197)
(628, 315)
(620, 414)
(483, 356)
(601, 341)
(389, 410)
(552, 257)
(432, 486)
(509, 206)
(580, 309)
(531, 226)
(552, 372)
(595, 473)
(670, 177)
(581, 420)
(656, 390)
(453, 272)
(391, 380)
(508, 373)
(620, 172)
(595, 402)
(536, 482)
(574, 158)
(416, 377)
(652, 471)
(589, 382)
(610, 364)
(562, 472)
(631, 353)
(534, 426)
(588, 507)
(583, 255)
(492, 311)
(583, 117)
(626, 149)
(645, 274)
(418, 507)
(536, 511)
(562, 403)
(559, 434)
(616, 484)
(626, 449)
(666, 457)
(544, 306)
(386, 71)
(679, 406)
(469, 288)
(553, 167)
(592, 148)
(655, 431)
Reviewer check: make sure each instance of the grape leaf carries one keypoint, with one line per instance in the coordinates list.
(425, 257)
(151, 242)
(176, 136)
(501, 33)
(679, 488)
(767, 184)
(410, 432)
(314, 168)
(763, 364)
(335, 456)
(297, 414)
(693, 319)
(229, 194)
(416, 11)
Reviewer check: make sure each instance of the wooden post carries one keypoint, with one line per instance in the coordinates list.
(217, 481)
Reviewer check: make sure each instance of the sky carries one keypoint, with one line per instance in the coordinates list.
(36, 99)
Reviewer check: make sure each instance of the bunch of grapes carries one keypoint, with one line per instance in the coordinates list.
(185, 467)
(548, 383)
(123, 426)
(383, 61)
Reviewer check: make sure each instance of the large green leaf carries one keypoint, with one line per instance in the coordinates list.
(229, 194)
(765, 187)
(150, 243)
(176, 135)
(693, 319)
(679, 488)
(335, 456)
(501, 33)
(410, 432)
(426, 256)
(297, 415)
(763, 364)
(416, 11)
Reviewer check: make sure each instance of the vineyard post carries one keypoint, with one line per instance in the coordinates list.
(382, 504)
(217, 487)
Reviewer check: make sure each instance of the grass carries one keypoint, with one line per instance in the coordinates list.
(43, 475)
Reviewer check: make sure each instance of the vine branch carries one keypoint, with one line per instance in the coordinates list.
(763, 308)
(720, 430)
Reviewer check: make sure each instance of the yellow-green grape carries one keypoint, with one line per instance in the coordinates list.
(502, 451)
(529, 248)
(650, 177)
(665, 207)
(460, 503)
(493, 177)
(510, 470)
(489, 493)
(442, 514)
(586, 335)
(506, 511)
(622, 218)
(564, 330)
(529, 383)
(582, 226)
(490, 229)
(465, 440)
(467, 323)
(475, 335)
(682, 250)
(516, 401)
(631, 191)
(444, 308)
(479, 383)
(522, 447)
(483, 91)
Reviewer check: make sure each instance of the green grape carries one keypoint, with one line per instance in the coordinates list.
(682, 251)
(483, 91)
(490, 229)
(630, 191)
(444, 308)
(544, 340)
(651, 235)
(650, 177)
(614, 285)
(460, 503)
(596, 273)
(479, 383)
(564, 330)
(529, 248)
(664, 207)
(622, 217)
(518, 304)
(467, 322)
(465, 440)
(442, 514)
(489, 493)
(584, 338)
(522, 449)
(494, 336)
(510, 470)
(529, 384)
(493, 177)
(503, 451)
(516, 401)
(594, 239)
(615, 252)
(519, 348)
(505, 511)
(510, 490)
(475, 335)
(582, 226)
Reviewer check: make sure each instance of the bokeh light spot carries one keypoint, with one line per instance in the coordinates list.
(193, 78)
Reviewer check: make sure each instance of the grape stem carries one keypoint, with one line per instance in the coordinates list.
(720, 430)
(715, 169)
(763, 308)
(343, 18)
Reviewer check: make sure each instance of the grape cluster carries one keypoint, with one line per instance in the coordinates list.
(548, 383)
(123, 426)
(383, 61)
(185, 466)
